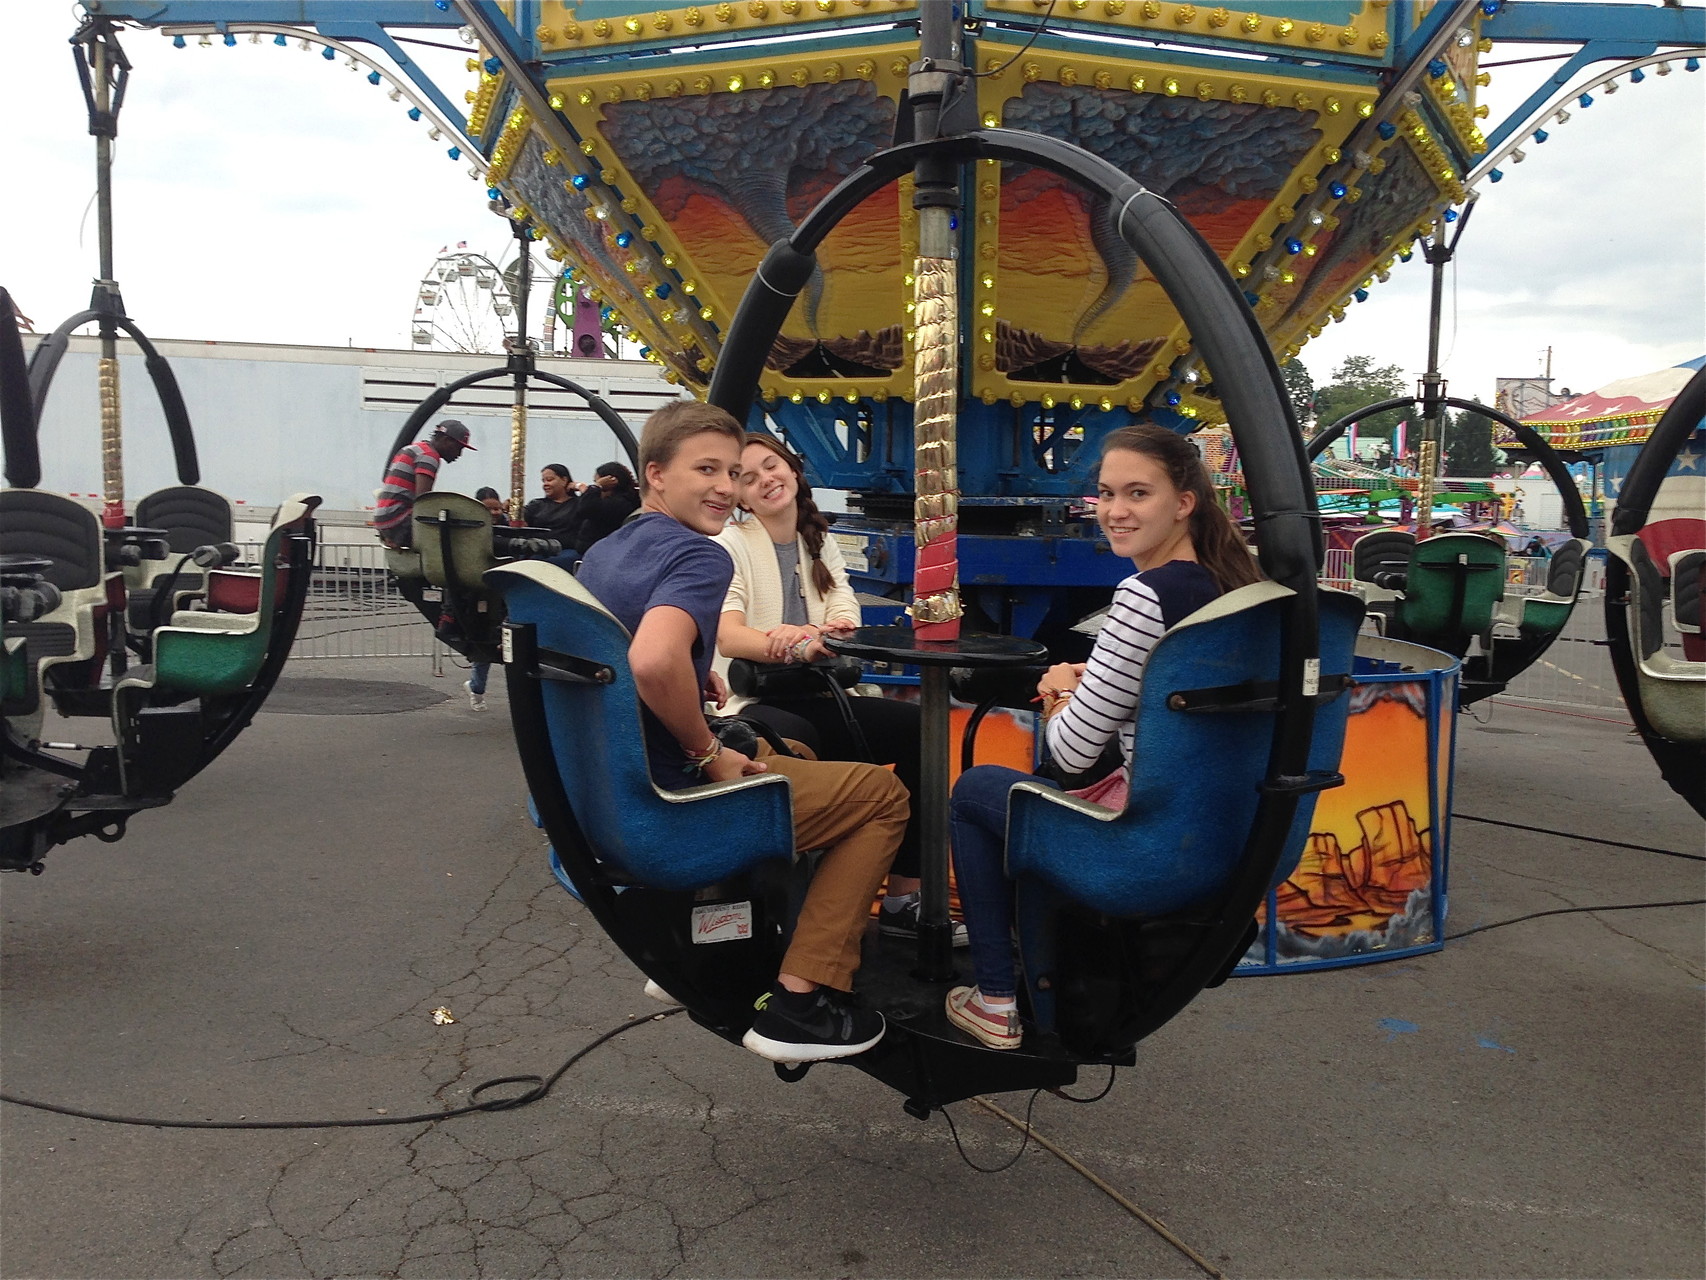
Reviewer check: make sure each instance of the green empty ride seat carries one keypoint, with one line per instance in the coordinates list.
(1452, 586)
(453, 536)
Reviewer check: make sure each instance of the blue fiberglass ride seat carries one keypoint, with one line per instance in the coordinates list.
(633, 850)
(1106, 900)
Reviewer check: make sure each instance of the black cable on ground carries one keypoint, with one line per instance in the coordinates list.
(542, 1085)
(1570, 911)
(1084, 1102)
(1571, 835)
(1024, 1141)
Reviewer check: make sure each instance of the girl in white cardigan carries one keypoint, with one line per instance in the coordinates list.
(789, 590)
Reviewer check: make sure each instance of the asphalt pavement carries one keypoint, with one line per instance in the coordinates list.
(273, 945)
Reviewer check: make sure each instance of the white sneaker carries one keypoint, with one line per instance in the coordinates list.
(476, 701)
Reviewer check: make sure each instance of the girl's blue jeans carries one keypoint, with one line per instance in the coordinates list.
(977, 815)
(477, 678)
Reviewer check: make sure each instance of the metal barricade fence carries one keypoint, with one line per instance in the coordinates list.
(353, 609)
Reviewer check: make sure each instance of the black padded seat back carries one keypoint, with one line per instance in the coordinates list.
(1564, 572)
(192, 516)
(36, 522)
(1685, 569)
(1649, 598)
(1374, 552)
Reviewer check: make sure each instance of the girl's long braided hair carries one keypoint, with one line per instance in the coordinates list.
(1219, 545)
(810, 523)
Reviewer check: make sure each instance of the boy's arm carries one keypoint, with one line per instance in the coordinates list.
(661, 658)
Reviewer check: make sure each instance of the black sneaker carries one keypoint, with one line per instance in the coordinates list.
(903, 923)
(792, 1028)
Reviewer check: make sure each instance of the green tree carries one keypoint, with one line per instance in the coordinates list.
(1469, 447)
(1358, 383)
(1300, 387)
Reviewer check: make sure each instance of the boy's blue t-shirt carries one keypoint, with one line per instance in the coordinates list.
(655, 560)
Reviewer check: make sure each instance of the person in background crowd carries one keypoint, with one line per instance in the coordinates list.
(411, 473)
(604, 504)
(559, 509)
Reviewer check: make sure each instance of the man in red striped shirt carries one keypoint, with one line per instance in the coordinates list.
(412, 473)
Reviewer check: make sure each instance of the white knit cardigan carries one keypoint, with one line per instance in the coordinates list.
(756, 589)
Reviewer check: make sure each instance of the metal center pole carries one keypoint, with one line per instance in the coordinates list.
(935, 607)
(521, 365)
(1438, 253)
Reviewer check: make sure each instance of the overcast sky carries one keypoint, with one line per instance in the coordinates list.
(265, 194)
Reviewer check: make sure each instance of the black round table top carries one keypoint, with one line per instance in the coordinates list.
(901, 644)
(136, 531)
(21, 563)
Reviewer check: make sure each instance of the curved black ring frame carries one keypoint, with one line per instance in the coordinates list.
(1575, 511)
(44, 363)
(597, 403)
(1679, 762)
(1287, 524)
(17, 413)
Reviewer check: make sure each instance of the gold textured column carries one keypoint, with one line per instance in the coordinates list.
(1427, 461)
(935, 607)
(112, 445)
(517, 458)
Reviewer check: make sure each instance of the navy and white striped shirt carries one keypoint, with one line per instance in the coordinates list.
(1105, 702)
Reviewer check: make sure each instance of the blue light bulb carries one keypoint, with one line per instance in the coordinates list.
(664, 290)
(455, 153)
(1172, 398)
(644, 352)
(1386, 129)
(1585, 101)
(328, 53)
(1637, 75)
(492, 193)
(1496, 175)
(579, 181)
(624, 239)
(178, 42)
(279, 40)
(1404, 255)
(1451, 215)
(1437, 68)
(1251, 298)
(1693, 64)
(1540, 135)
(953, 222)
(230, 41)
(414, 113)
(1361, 295)
(1337, 190)
(1293, 245)
(1489, 8)
(373, 77)
(493, 65)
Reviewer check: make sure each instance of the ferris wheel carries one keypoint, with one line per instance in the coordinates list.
(464, 302)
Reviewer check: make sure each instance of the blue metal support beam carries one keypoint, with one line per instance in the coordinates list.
(1597, 51)
(299, 13)
(1549, 22)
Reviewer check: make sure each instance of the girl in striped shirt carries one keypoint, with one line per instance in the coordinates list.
(1156, 505)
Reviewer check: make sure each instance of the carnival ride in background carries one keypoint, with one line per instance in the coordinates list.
(137, 618)
(967, 241)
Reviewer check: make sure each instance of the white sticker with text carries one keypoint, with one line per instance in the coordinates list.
(722, 922)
